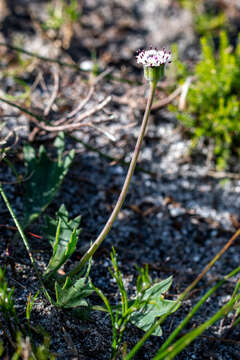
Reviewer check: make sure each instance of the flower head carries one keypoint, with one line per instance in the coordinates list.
(154, 62)
(154, 57)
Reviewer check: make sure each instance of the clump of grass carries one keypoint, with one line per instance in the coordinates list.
(6, 299)
(212, 107)
(17, 338)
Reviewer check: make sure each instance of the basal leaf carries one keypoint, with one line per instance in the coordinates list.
(155, 291)
(73, 295)
(153, 306)
(61, 253)
(145, 318)
(62, 234)
(67, 226)
(45, 179)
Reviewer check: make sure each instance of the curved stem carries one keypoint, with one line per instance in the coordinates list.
(123, 193)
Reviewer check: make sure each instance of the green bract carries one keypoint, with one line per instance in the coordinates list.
(154, 74)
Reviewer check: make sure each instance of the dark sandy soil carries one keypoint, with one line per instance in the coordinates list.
(178, 213)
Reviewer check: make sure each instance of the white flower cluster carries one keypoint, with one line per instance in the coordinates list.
(153, 57)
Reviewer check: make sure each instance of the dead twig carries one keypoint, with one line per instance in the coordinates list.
(40, 80)
(222, 175)
(4, 140)
(39, 121)
(43, 82)
(36, 81)
(163, 102)
(54, 93)
(95, 109)
(105, 132)
(87, 98)
(126, 100)
(77, 109)
(184, 91)
(222, 340)
(74, 126)
(102, 76)
(32, 134)
(9, 135)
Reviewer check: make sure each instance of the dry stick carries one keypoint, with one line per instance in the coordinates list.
(222, 174)
(38, 120)
(34, 132)
(10, 227)
(104, 132)
(78, 124)
(76, 110)
(183, 97)
(87, 146)
(64, 118)
(12, 133)
(82, 104)
(211, 263)
(36, 81)
(4, 141)
(221, 340)
(19, 181)
(126, 100)
(123, 193)
(163, 102)
(54, 93)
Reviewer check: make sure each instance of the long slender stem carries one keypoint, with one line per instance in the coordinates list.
(25, 241)
(123, 193)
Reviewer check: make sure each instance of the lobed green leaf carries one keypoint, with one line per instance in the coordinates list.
(45, 178)
(62, 234)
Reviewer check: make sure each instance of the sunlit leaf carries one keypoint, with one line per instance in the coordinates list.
(73, 295)
(62, 234)
(153, 306)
